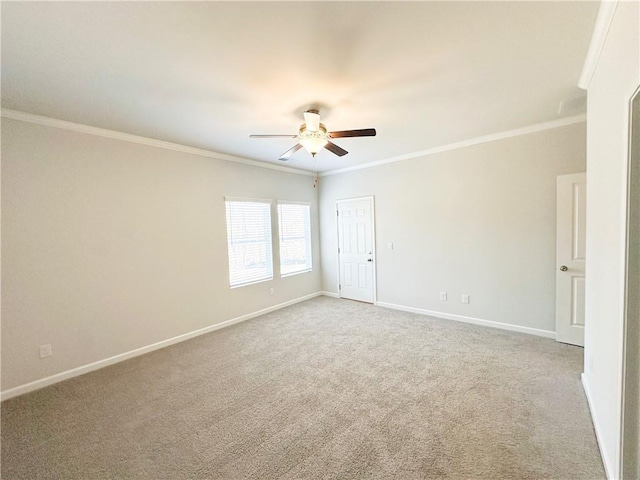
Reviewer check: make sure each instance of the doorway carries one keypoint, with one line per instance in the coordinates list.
(356, 249)
(631, 386)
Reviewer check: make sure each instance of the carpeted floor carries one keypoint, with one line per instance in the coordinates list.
(323, 389)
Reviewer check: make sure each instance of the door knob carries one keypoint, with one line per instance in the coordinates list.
(563, 268)
(370, 260)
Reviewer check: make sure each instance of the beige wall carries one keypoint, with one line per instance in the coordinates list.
(109, 246)
(478, 220)
(616, 77)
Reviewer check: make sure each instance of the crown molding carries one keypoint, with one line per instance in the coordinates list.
(102, 132)
(563, 122)
(126, 137)
(598, 38)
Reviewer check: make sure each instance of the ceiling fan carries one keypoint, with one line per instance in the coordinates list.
(313, 136)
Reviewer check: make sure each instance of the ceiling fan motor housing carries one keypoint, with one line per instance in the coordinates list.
(320, 133)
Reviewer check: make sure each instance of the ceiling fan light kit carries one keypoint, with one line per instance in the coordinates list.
(313, 136)
(313, 140)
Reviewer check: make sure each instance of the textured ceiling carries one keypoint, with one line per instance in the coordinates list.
(208, 74)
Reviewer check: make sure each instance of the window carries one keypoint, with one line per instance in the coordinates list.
(249, 241)
(294, 220)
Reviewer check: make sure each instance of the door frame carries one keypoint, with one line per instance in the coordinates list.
(629, 466)
(371, 199)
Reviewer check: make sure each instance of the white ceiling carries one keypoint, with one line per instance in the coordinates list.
(208, 74)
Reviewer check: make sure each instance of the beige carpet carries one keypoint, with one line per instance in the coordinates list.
(324, 389)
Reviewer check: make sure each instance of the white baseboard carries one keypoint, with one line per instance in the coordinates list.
(330, 294)
(74, 372)
(596, 426)
(472, 320)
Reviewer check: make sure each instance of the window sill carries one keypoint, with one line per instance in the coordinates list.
(309, 270)
(262, 280)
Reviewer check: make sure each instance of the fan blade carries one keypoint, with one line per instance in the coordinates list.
(312, 120)
(333, 148)
(287, 155)
(273, 136)
(364, 132)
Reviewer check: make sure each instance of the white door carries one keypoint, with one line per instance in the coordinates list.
(356, 253)
(570, 258)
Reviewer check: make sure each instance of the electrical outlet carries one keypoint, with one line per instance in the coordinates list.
(443, 296)
(465, 298)
(45, 350)
(389, 245)
(271, 291)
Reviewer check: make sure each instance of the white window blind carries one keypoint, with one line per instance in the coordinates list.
(249, 241)
(294, 222)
